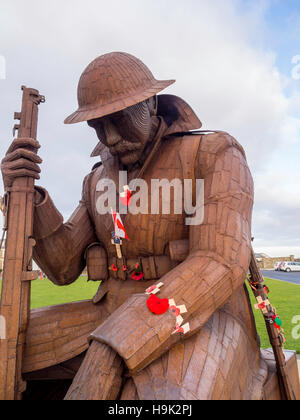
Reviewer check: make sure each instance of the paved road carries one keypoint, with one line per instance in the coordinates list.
(293, 277)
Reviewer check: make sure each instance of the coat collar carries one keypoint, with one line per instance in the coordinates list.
(178, 115)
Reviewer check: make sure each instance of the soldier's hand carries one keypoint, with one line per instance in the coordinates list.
(21, 160)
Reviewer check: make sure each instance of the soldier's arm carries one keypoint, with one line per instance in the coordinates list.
(60, 247)
(216, 266)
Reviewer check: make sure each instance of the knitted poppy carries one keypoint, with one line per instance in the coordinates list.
(175, 310)
(277, 321)
(137, 276)
(113, 267)
(157, 306)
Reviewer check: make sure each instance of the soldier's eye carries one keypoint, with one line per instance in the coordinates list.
(117, 116)
(101, 133)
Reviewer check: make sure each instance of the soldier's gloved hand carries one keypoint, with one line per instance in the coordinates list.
(20, 160)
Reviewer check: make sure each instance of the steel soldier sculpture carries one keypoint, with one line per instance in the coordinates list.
(134, 353)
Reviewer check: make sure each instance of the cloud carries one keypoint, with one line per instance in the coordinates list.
(277, 206)
(213, 49)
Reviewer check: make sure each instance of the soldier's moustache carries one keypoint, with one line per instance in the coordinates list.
(124, 146)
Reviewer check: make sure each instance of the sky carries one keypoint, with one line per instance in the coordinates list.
(236, 62)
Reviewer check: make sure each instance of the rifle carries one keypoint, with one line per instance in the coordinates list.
(17, 268)
(276, 338)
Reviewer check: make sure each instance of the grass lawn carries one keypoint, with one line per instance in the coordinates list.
(284, 296)
(45, 293)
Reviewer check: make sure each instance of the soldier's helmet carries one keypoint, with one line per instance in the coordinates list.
(113, 82)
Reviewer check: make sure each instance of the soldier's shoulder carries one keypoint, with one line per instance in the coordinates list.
(209, 141)
(96, 169)
(218, 141)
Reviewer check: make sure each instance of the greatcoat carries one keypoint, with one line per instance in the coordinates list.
(219, 358)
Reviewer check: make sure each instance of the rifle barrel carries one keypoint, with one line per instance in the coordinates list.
(15, 296)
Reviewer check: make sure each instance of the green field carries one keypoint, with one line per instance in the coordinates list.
(284, 296)
(45, 293)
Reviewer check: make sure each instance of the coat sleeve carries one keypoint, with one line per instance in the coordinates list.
(60, 247)
(217, 264)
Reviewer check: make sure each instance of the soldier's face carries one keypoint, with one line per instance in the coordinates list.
(126, 132)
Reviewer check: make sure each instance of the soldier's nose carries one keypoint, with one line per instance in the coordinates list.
(112, 135)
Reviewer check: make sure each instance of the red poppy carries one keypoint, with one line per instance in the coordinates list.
(277, 321)
(175, 310)
(157, 306)
(113, 267)
(138, 268)
(137, 276)
(126, 198)
(124, 268)
(179, 329)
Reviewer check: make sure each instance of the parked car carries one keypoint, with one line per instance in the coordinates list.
(280, 266)
(276, 266)
(288, 266)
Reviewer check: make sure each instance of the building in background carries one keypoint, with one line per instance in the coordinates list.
(266, 262)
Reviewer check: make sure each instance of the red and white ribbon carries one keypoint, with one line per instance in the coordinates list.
(177, 310)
